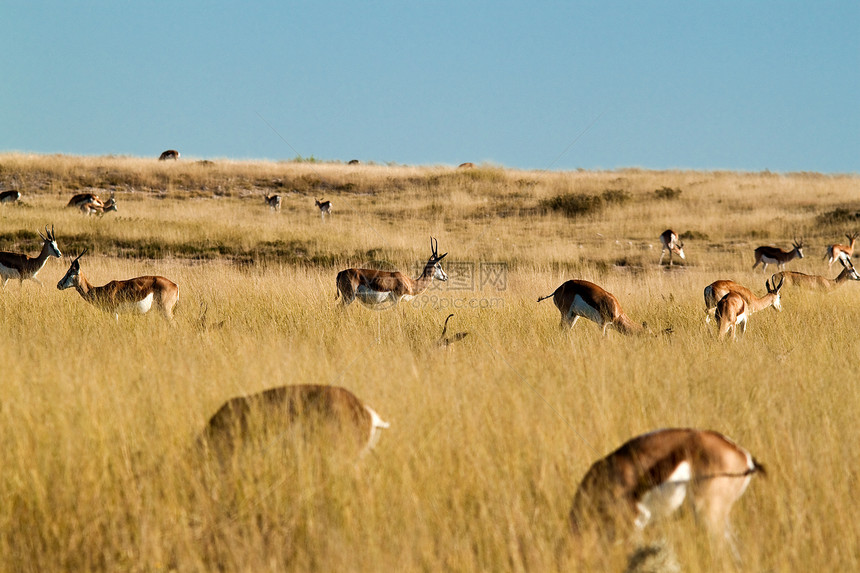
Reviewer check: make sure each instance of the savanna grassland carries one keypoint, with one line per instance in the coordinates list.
(488, 439)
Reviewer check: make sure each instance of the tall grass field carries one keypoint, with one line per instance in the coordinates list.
(488, 438)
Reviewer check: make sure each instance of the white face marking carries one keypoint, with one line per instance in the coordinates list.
(55, 250)
(582, 308)
(439, 274)
(666, 498)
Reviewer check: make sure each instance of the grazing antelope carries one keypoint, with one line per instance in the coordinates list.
(772, 255)
(577, 298)
(730, 314)
(98, 208)
(715, 291)
(274, 202)
(373, 287)
(670, 242)
(135, 295)
(324, 207)
(9, 196)
(354, 162)
(22, 267)
(445, 341)
(84, 198)
(312, 408)
(650, 476)
(842, 253)
(169, 154)
(816, 282)
(467, 165)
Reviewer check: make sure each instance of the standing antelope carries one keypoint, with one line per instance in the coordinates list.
(274, 202)
(374, 287)
(670, 242)
(354, 425)
(772, 255)
(9, 196)
(715, 291)
(651, 476)
(730, 314)
(22, 267)
(169, 154)
(324, 207)
(842, 253)
(83, 198)
(816, 282)
(135, 295)
(577, 298)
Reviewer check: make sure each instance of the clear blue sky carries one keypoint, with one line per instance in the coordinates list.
(560, 85)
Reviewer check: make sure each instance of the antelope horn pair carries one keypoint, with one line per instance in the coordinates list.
(434, 246)
(49, 235)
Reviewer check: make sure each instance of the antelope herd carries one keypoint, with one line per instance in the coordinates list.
(648, 477)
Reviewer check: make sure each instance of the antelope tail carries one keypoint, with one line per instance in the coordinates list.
(545, 297)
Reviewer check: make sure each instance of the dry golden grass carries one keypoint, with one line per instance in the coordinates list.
(488, 440)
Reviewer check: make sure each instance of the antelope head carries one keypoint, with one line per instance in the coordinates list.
(51, 240)
(435, 259)
(798, 246)
(774, 290)
(72, 275)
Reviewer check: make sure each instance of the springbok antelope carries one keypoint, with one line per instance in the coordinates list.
(9, 196)
(467, 165)
(84, 198)
(772, 255)
(577, 298)
(651, 476)
(274, 202)
(354, 162)
(816, 282)
(96, 207)
(842, 253)
(730, 314)
(324, 207)
(169, 154)
(670, 242)
(311, 408)
(445, 341)
(715, 291)
(135, 295)
(22, 267)
(374, 287)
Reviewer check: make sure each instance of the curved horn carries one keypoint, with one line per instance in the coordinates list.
(81, 255)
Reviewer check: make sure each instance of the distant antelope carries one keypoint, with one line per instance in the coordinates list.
(9, 196)
(672, 244)
(374, 287)
(650, 476)
(577, 298)
(816, 282)
(731, 313)
(169, 154)
(842, 253)
(96, 207)
(467, 165)
(22, 267)
(274, 202)
(324, 207)
(313, 408)
(84, 198)
(772, 255)
(135, 295)
(715, 291)
(354, 162)
(445, 341)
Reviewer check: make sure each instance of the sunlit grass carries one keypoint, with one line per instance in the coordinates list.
(488, 439)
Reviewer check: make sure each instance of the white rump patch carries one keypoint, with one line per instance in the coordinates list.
(141, 306)
(666, 498)
(376, 424)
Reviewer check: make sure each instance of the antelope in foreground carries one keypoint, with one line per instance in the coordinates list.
(374, 287)
(324, 207)
(772, 255)
(135, 295)
(715, 291)
(651, 476)
(96, 207)
(816, 282)
(22, 267)
(9, 196)
(274, 202)
(730, 314)
(670, 242)
(577, 298)
(841, 253)
(445, 341)
(333, 412)
(169, 154)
